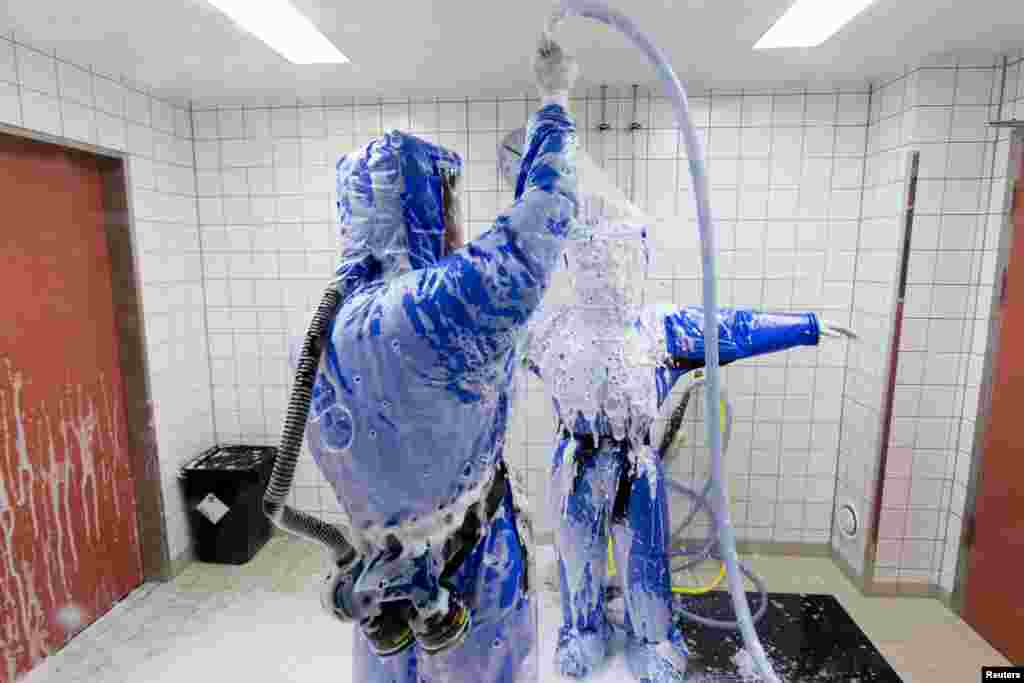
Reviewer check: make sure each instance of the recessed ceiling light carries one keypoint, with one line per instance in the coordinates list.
(286, 30)
(809, 23)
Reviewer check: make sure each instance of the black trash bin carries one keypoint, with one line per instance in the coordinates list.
(224, 489)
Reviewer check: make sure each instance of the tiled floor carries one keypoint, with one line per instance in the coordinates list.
(262, 623)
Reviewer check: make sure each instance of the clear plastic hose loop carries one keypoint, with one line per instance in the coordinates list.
(598, 11)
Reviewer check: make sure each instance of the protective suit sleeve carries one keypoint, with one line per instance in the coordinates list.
(742, 333)
(471, 305)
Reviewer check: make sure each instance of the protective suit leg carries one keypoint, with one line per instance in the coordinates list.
(501, 646)
(584, 484)
(656, 651)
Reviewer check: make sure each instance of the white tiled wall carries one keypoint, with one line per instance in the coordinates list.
(41, 92)
(941, 110)
(785, 171)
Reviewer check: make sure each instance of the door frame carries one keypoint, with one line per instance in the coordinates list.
(115, 170)
(1006, 234)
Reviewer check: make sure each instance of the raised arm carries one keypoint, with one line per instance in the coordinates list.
(469, 307)
(452, 320)
(506, 271)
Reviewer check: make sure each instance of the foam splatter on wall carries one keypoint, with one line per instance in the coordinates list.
(68, 534)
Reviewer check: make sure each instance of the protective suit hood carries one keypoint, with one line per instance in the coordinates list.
(391, 207)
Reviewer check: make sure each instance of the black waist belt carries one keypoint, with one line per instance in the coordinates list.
(585, 442)
(585, 448)
(464, 540)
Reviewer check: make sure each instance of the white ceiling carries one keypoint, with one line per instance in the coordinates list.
(186, 49)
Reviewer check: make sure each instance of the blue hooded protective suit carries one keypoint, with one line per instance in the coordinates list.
(412, 398)
(605, 484)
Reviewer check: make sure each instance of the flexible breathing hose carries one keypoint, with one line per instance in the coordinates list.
(389, 632)
(291, 520)
(599, 11)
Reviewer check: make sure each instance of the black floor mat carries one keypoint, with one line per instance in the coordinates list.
(808, 638)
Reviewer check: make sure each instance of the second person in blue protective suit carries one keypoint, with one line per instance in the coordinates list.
(606, 484)
(609, 362)
(412, 399)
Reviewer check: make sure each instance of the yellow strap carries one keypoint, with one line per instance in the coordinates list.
(685, 590)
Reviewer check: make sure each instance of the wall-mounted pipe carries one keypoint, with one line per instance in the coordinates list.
(635, 125)
(633, 128)
(604, 125)
(888, 400)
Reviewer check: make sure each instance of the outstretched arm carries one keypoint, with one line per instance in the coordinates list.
(742, 333)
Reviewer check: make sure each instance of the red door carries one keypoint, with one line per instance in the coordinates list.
(68, 536)
(994, 600)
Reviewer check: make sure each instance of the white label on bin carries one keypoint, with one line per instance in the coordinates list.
(212, 508)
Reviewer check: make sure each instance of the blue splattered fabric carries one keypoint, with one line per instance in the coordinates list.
(587, 478)
(413, 394)
(742, 333)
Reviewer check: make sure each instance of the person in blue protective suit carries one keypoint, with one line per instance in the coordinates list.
(609, 363)
(606, 481)
(412, 397)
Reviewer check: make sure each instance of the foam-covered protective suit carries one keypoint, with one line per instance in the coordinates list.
(413, 391)
(608, 362)
(602, 483)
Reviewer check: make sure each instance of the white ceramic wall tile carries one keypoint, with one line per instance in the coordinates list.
(75, 83)
(108, 95)
(10, 104)
(36, 70)
(40, 112)
(936, 87)
(8, 65)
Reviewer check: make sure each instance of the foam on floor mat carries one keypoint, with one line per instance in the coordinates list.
(808, 638)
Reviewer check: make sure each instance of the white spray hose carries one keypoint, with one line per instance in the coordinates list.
(599, 11)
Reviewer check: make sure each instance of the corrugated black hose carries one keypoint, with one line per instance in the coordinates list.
(291, 520)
